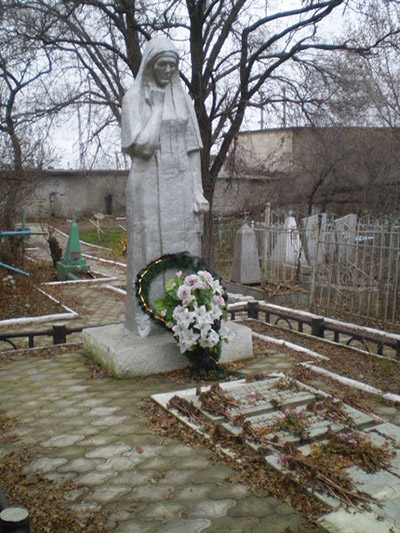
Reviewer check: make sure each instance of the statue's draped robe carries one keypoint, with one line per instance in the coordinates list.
(160, 190)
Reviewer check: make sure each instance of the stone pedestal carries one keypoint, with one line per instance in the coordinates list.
(124, 354)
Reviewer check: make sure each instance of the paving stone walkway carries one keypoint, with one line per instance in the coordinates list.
(94, 431)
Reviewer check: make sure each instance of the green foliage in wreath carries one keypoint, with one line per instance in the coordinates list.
(179, 261)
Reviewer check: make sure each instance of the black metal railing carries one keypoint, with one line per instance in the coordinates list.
(272, 314)
(59, 334)
(319, 325)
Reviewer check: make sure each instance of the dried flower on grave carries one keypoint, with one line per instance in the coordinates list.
(237, 420)
(285, 384)
(186, 408)
(332, 409)
(322, 472)
(276, 404)
(294, 421)
(253, 397)
(260, 437)
(215, 401)
(256, 377)
(356, 448)
(325, 467)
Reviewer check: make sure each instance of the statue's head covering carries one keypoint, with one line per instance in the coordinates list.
(154, 49)
(135, 107)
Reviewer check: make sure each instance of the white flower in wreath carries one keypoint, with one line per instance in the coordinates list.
(211, 340)
(186, 318)
(177, 312)
(179, 328)
(188, 340)
(215, 285)
(195, 282)
(218, 300)
(192, 281)
(216, 312)
(204, 329)
(203, 316)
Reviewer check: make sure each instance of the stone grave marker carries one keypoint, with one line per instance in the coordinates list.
(246, 264)
(288, 249)
(262, 404)
(314, 230)
(345, 236)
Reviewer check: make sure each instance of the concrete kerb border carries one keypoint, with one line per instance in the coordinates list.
(353, 383)
(101, 279)
(238, 305)
(115, 289)
(102, 260)
(69, 315)
(337, 377)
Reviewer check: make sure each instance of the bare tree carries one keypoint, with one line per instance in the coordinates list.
(236, 55)
(22, 67)
(346, 169)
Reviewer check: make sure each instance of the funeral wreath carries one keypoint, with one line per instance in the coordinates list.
(193, 307)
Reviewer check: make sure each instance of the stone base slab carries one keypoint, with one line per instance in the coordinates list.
(124, 354)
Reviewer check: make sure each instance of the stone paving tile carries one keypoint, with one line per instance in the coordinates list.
(120, 465)
(186, 526)
(236, 524)
(211, 508)
(254, 506)
(193, 493)
(93, 479)
(106, 494)
(162, 511)
(80, 465)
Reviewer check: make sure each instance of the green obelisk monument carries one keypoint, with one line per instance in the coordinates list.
(72, 264)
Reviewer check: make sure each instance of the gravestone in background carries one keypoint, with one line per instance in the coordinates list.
(246, 264)
(288, 249)
(313, 234)
(345, 237)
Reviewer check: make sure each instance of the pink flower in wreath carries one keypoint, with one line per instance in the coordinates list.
(204, 274)
(184, 294)
(192, 280)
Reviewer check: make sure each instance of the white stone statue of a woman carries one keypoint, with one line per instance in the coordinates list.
(164, 199)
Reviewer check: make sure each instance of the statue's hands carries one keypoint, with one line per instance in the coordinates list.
(156, 97)
(200, 205)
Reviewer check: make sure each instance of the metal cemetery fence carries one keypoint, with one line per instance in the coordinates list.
(350, 267)
(356, 271)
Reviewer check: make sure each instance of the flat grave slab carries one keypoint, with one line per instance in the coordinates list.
(270, 414)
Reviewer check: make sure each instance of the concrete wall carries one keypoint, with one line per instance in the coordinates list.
(277, 166)
(233, 196)
(269, 150)
(65, 193)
